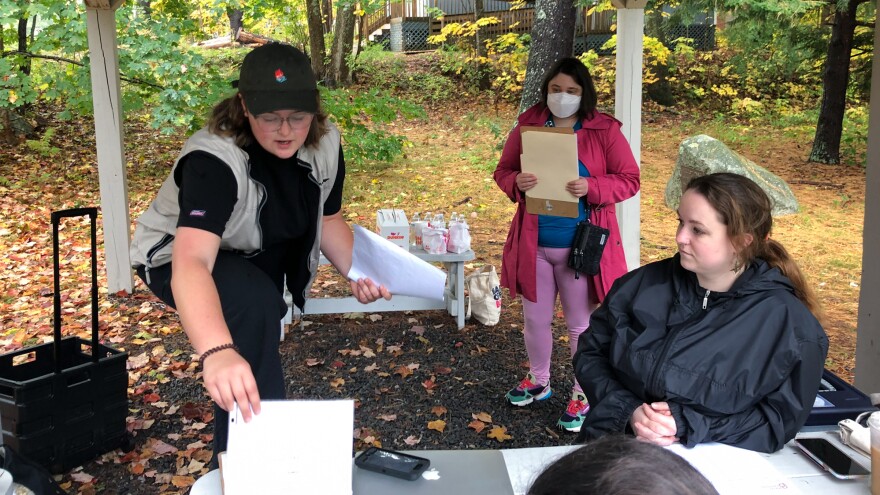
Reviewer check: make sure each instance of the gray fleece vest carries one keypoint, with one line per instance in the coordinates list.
(154, 233)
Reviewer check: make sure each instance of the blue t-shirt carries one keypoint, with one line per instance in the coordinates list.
(558, 232)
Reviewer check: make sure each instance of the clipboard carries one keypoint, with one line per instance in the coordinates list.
(551, 154)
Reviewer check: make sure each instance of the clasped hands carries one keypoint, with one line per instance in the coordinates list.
(653, 423)
(577, 187)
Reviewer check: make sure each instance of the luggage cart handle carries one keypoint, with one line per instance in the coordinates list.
(92, 213)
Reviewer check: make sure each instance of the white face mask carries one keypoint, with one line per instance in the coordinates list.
(563, 105)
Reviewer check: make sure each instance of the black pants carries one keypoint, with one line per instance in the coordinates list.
(253, 308)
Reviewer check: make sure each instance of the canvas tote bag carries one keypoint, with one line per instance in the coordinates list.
(484, 295)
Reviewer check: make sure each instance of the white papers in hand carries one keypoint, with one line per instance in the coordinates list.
(386, 263)
(281, 452)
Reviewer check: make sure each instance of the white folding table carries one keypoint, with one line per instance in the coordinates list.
(454, 298)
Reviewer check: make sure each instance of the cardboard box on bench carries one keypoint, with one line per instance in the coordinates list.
(393, 225)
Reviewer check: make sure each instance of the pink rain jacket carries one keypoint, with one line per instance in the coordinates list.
(614, 177)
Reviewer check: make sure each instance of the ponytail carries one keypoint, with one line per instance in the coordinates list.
(777, 256)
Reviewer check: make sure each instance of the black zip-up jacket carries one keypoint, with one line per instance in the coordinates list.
(740, 367)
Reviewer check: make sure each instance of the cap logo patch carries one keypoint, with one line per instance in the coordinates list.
(279, 76)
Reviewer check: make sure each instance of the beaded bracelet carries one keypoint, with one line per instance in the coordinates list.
(212, 350)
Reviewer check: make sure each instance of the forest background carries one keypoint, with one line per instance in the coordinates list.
(422, 132)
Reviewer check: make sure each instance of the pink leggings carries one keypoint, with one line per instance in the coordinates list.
(554, 277)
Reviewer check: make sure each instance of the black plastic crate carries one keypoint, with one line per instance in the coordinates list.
(65, 402)
(837, 400)
(62, 420)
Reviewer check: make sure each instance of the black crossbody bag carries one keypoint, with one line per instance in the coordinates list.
(587, 247)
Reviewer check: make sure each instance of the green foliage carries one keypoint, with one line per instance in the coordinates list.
(853, 141)
(377, 67)
(44, 146)
(277, 19)
(507, 56)
(159, 72)
(462, 34)
(382, 69)
(363, 117)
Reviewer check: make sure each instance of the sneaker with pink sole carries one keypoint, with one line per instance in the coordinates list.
(573, 417)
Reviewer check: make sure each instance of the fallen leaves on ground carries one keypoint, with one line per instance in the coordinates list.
(499, 433)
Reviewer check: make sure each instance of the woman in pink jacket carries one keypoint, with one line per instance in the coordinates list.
(535, 259)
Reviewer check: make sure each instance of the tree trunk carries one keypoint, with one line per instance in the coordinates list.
(361, 22)
(347, 46)
(247, 38)
(343, 39)
(552, 39)
(835, 79)
(479, 13)
(235, 22)
(327, 20)
(316, 37)
(25, 66)
(145, 8)
(659, 91)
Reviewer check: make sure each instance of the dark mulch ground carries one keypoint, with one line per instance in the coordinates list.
(466, 372)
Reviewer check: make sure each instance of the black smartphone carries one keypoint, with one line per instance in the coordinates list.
(830, 457)
(392, 463)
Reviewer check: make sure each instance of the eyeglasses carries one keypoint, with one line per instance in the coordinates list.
(270, 122)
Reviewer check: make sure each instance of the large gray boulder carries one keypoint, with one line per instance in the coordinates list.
(702, 155)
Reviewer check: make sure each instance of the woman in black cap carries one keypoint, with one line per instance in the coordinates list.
(253, 198)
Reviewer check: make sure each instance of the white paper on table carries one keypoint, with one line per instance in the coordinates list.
(386, 263)
(281, 452)
(734, 471)
(524, 465)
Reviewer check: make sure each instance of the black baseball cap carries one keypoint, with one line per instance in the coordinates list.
(276, 76)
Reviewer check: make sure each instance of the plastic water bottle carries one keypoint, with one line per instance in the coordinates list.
(413, 242)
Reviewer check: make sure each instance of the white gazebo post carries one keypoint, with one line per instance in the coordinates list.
(101, 23)
(868, 338)
(628, 110)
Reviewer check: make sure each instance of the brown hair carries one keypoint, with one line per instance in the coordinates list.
(228, 119)
(746, 211)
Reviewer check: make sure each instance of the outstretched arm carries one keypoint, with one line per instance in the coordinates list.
(228, 377)
(337, 243)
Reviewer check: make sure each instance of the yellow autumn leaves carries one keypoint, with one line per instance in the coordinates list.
(480, 421)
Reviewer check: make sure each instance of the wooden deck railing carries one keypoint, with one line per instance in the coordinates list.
(512, 21)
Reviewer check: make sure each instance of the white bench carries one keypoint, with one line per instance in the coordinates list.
(454, 298)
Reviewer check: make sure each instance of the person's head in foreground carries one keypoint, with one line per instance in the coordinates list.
(277, 103)
(621, 465)
(725, 222)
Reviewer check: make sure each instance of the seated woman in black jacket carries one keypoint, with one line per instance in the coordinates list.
(720, 343)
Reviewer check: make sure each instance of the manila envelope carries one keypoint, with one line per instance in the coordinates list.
(551, 154)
